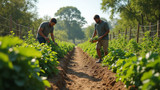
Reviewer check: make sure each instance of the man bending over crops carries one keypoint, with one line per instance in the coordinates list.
(44, 29)
(102, 30)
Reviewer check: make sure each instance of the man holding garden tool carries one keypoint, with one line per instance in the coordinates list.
(102, 30)
(44, 29)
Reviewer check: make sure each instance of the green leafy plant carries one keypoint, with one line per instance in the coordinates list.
(131, 61)
(50, 53)
(95, 39)
(48, 61)
(16, 66)
(62, 48)
(133, 46)
(89, 48)
(151, 75)
(29, 39)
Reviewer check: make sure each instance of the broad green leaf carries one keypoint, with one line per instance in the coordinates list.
(29, 52)
(8, 41)
(5, 60)
(4, 57)
(147, 75)
(46, 83)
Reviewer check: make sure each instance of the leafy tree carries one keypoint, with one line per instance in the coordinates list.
(133, 12)
(20, 10)
(133, 9)
(46, 18)
(72, 22)
(60, 25)
(61, 35)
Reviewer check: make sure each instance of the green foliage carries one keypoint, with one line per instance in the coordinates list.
(151, 76)
(94, 39)
(89, 31)
(130, 69)
(140, 72)
(133, 46)
(133, 9)
(22, 12)
(113, 56)
(16, 66)
(156, 45)
(70, 14)
(132, 12)
(72, 21)
(131, 61)
(30, 38)
(23, 64)
(89, 48)
(50, 53)
(150, 44)
(48, 61)
(62, 48)
(121, 42)
(61, 35)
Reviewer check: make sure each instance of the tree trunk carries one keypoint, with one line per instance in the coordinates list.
(142, 24)
(159, 17)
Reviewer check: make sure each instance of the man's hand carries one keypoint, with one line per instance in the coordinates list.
(90, 40)
(94, 34)
(55, 43)
(46, 38)
(48, 41)
(100, 38)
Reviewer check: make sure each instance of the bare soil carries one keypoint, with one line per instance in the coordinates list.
(78, 71)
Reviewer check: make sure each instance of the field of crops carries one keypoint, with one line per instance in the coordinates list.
(26, 64)
(136, 64)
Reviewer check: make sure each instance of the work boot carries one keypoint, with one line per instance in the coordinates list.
(99, 61)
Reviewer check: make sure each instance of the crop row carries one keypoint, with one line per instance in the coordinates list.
(136, 64)
(26, 64)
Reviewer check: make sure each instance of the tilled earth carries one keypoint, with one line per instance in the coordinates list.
(78, 71)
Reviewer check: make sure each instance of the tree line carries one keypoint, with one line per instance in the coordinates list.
(70, 22)
(132, 12)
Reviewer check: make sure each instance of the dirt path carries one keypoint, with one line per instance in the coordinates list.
(79, 74)
(78, 71)
(84, 74)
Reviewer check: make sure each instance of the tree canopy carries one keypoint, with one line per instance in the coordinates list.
(133, 12)
(21, 11)
(72, 21)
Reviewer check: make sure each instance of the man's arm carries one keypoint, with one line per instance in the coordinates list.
(41, 33)
(52, 36)
(94, 34)
(104, 35)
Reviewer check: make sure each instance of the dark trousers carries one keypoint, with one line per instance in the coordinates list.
(41, 40)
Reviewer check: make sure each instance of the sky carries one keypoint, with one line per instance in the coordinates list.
(88, 8)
